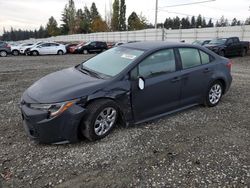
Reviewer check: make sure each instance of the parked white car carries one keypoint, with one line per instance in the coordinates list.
(15, 49)
(48, 48)
(24, 47)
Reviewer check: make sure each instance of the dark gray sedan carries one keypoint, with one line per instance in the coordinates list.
(132, 83)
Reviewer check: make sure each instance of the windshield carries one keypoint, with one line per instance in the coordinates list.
(218, 41)
(113, 61)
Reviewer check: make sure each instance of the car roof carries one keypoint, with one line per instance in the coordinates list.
(148, 45)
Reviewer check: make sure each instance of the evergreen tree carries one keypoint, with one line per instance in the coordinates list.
(86, 20)
(122, 16)
(247, 22)
(204, 23)
(176, 23)
(210, 23)
(52, 27)
(193, 22)
(234, 22)
(199, 21)
(135, 23)
(115, 16)
(94, 12)
(69, 18)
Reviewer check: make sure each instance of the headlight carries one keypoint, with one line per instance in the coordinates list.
(53, 109)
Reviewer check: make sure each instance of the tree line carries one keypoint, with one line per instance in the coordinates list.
(89, 20)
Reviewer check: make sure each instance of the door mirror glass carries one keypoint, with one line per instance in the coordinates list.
(141, 83)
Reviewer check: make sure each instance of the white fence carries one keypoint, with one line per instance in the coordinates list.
(189, 35)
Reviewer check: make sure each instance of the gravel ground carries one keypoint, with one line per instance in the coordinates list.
(199, 147)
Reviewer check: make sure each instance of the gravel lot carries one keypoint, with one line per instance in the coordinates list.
(199, 147)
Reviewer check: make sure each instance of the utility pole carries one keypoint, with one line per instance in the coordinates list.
(156, 13)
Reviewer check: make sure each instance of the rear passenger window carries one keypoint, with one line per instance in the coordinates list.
(205, 58)
(159, 62)
(190, 57)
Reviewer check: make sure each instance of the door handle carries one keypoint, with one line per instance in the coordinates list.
(176, 79)
(206, 70)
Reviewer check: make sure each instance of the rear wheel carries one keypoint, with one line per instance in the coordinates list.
(3, 53)
(35, 53)
(214, 94)
(15, 52)
(85, 51)
(100, 120)
(243, 52)
(60, 52)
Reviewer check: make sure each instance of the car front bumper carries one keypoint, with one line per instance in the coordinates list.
(63, 128)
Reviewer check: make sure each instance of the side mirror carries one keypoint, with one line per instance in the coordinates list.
(141, 83)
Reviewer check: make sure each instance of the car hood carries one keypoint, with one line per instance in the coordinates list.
(62, 86)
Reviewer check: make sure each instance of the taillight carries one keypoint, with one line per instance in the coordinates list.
(229, 64)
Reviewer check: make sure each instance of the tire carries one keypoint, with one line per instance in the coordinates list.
(100, 120)
(60, 52)
(15, 52)
(214, 94)
(222, 53)
(243, 52)
(35, 53)
(3, 53)
(85, 52)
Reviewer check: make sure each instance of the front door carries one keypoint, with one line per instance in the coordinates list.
(161, 92)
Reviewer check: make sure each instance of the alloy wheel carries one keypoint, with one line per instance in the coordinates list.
(105, 121)
(3, 54)
(215, 93)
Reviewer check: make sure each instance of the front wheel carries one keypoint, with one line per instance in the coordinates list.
(214, 94)
(100, 120)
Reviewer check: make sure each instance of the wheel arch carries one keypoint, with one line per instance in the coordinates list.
(121, 117)
(222, 81)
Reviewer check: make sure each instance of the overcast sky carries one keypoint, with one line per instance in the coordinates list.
(30, 14)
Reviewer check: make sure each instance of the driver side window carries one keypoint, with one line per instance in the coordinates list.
(160, 62)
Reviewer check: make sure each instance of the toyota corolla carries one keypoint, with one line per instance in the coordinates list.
(129, 84)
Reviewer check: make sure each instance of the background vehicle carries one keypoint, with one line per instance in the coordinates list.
(48, 48)
(27, 50)
(201, 42)
(69, 46)
(73, 49)
(128, 83)
(4, 49)
(15, 49)
(92, 47)
(228, 46)
(24, 47)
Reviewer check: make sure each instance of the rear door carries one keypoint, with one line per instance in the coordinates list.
(162, 85)
(195, 75)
